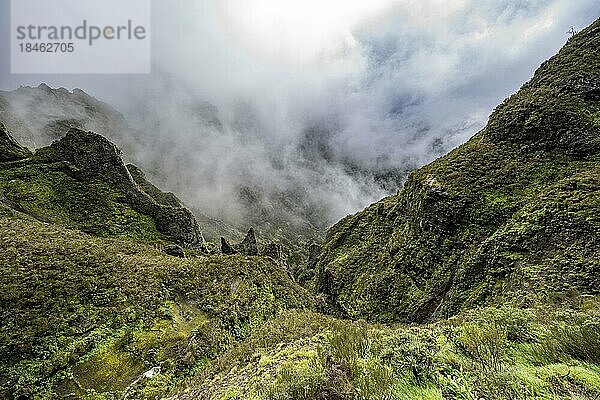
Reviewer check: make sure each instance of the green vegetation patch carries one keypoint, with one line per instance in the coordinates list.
(78, 311)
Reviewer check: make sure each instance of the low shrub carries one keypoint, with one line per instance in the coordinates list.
(484, 343)
(579, 340)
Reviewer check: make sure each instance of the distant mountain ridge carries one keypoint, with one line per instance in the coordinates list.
(169, 140)
(37, 116)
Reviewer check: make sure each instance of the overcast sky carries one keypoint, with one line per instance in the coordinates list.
(393, 83)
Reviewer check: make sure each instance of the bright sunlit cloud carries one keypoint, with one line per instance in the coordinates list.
(297, 32)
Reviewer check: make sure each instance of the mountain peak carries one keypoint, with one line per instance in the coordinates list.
(39, 115)
(90, 152)
(558, 109)
(44, 87)
(99, 193)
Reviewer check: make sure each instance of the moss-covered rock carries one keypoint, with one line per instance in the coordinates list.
(81, 181)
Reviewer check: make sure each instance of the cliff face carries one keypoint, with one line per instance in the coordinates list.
(512, 215)
(10, 150)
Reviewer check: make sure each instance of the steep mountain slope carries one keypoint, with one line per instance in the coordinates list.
(37, 116)
(512, 215)
(174, 136)
(81, 181)
(10, 150)
(91, 308)
(106, 318)
(509, 219)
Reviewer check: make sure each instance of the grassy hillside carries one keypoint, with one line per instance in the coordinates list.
(98, 318)
(82, 314)
(89, 303)
(491, 353)
(510, 216)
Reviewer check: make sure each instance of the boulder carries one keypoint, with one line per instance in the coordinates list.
(174, 250)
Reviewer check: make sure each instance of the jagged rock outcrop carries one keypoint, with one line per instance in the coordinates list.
(512, 215)
(249, 246)
(97, 158)
(277, 252)
(96, 185)
(93, 155)
(227, 248)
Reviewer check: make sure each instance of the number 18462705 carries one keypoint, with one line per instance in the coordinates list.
(56, 47)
